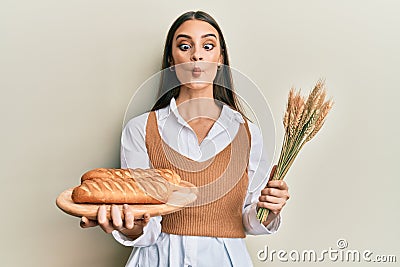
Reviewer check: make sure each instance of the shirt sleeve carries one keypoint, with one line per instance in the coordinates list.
(258, 171)
(133, 146)
(134, 155)
(150, 234)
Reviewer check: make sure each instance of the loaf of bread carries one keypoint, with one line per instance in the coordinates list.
(167, 174)
(131, 186)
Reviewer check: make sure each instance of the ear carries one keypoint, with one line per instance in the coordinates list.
(221, 59)
(171, 61)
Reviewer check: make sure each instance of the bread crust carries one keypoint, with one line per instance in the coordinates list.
(167, 174)
(131, 186)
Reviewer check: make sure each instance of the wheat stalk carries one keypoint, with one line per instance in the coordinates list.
(302, 120)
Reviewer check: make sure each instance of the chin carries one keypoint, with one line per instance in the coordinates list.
(199, 85)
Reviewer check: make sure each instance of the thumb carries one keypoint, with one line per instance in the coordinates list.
(86, 223)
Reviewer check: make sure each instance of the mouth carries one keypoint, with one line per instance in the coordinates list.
(196, 72)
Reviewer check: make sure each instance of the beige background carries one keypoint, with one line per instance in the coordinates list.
(69, 68)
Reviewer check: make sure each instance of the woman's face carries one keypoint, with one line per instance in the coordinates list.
(196, 53)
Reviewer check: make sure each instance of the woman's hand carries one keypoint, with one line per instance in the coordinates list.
(130, 226)
(273, 197)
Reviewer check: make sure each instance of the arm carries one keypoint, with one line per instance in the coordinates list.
(273, 197)
(130, 231)
(134, 155)
(258, 178)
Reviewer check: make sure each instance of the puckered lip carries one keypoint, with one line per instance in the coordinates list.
(196, 69)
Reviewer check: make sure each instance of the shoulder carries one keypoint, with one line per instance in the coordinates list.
(232, 117)
(137, 124)
(255, 132)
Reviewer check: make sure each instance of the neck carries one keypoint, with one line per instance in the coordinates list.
(186, 93)
(197, 104)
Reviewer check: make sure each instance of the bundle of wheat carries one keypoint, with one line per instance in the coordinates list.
(303, 118)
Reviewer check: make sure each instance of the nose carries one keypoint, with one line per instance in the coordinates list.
(196, 56)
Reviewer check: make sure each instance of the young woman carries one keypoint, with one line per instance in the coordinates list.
(197, 128)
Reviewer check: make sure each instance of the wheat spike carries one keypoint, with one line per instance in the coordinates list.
(326, 107)
(310, 125)
(312, 103)
(287, 119)
(322, 98)
(307, 113)
(299, 110)
(292, 119)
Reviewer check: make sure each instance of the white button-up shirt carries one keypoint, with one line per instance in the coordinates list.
(155, 248)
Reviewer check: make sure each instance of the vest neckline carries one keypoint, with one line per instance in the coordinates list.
(167, 146)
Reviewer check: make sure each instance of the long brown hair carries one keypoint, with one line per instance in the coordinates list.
(222, 85)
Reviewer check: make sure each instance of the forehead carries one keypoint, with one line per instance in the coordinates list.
(195, 28)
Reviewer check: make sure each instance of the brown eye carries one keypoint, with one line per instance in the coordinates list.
(184, 47)
(208, 47)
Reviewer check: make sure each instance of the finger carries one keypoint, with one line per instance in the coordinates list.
(143, 221)
(271, 199)
(86, 223)
(116, 217)
(275, 192)
(146, 218)
(278, 184)
(103, 220)
(275, 208)
(128, 217)
(271, 175)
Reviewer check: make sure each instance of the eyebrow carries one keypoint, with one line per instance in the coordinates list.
(188, 36)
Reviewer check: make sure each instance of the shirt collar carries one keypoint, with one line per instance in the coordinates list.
(227, 114)
(171, 109)
(230, 114)
(164, 112)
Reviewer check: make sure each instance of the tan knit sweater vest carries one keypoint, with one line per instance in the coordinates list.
(222, 182)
